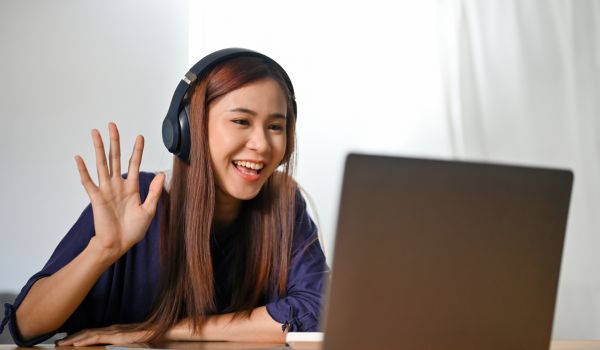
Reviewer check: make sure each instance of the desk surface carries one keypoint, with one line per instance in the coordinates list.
(575, 345)
(556, 345)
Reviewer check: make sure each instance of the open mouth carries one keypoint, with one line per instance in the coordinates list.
(248, 168)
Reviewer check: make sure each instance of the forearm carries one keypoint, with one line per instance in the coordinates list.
(260, 327)
(53, 299)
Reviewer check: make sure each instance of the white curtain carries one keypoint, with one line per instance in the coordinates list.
(523, 86)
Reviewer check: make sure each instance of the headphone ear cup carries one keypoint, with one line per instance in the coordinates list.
(169, 135)
(184, 128)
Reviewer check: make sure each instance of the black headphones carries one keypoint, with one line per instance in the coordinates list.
(176, 126)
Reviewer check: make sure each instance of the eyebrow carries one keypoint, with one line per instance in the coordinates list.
(253, 113)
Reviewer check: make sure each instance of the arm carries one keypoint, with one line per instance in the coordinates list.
(120, 220)
(51, 300)
(298, 311)
(259, 327)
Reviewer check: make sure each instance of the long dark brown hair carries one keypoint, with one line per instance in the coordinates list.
(187, 286)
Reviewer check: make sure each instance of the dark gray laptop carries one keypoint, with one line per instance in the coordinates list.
(446, 255)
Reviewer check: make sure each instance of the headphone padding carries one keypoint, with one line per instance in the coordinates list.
(184, 127)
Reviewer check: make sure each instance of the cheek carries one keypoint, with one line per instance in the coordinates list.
(221, 143)
(279, 148)
(214, 151)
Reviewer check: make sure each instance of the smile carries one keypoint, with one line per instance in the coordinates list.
(248, 170)
(249, 165)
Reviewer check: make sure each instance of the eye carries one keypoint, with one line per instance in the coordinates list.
(243, 122)
(276, 127)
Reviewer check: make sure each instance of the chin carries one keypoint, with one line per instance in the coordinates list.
(244, 195)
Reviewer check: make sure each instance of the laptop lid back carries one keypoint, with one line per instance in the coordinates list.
(445, 255)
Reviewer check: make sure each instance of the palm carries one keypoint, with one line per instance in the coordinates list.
(120, 218)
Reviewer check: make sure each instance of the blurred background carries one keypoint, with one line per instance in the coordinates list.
(500, 81)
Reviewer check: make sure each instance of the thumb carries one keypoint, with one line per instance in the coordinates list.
(154, 192)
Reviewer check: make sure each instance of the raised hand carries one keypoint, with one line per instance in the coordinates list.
(120, 218)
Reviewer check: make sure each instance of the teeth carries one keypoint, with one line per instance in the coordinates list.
(250, 165)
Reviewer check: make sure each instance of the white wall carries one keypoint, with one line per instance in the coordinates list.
(367, 78)
(66, 67)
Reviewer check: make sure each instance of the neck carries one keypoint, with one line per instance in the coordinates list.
(227, 209)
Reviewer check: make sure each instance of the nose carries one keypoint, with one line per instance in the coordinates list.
(258, 140)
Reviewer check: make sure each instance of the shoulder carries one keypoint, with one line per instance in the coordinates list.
(305, 230)
(300, 204)
(146, 177)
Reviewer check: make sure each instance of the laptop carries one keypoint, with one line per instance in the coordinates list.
(433, 254)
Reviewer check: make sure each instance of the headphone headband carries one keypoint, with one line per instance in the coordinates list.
(175, 128)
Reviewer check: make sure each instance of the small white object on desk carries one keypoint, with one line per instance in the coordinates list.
(304, 340)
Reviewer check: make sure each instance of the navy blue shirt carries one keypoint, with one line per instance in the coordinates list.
(125, 292)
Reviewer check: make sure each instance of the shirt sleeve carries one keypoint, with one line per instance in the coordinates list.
(299, 310)
(71, 245)
(92, 312)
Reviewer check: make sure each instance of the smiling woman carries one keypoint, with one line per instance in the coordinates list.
(227, 253)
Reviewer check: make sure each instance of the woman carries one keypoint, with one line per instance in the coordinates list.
(227, 252)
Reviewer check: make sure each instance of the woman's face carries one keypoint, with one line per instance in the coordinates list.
(247, 137)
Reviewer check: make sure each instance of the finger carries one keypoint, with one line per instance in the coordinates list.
(102, 336)
(135, 161)
(71, 339)
(100, 157)
(92, 339)
(89, 337)
(62, 342)
(154, 192)
(86, 180)
(114, 160)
